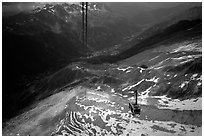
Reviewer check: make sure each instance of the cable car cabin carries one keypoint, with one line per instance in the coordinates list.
(135, 108)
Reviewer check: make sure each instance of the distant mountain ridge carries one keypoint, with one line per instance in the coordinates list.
(155, 16)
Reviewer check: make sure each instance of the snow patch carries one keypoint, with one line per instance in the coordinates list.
(155, 80)
(141, 69)
(98, 88)
(132, 86)
(145, 93)
(124, 69)
(183, 84)
(112, 90)
(188, 47)
(176, 104)
(193, 76)
(153, 58)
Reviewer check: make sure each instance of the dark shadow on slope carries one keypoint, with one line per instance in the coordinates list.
(187, 117)
(182, 87)
(179, 31)
(194, 66)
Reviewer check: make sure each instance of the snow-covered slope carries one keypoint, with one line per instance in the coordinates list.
(168, 79)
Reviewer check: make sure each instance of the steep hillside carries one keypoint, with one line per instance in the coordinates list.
(183, 30)
(84, 99)
(192, 13)
(38, 43)
(163, 19)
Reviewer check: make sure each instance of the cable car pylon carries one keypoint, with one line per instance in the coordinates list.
(85, 28)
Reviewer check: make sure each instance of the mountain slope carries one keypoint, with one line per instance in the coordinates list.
(168, 79)
(192, 13)
(90, 96)
(41, 42)
(155, 16)
(183, 30)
